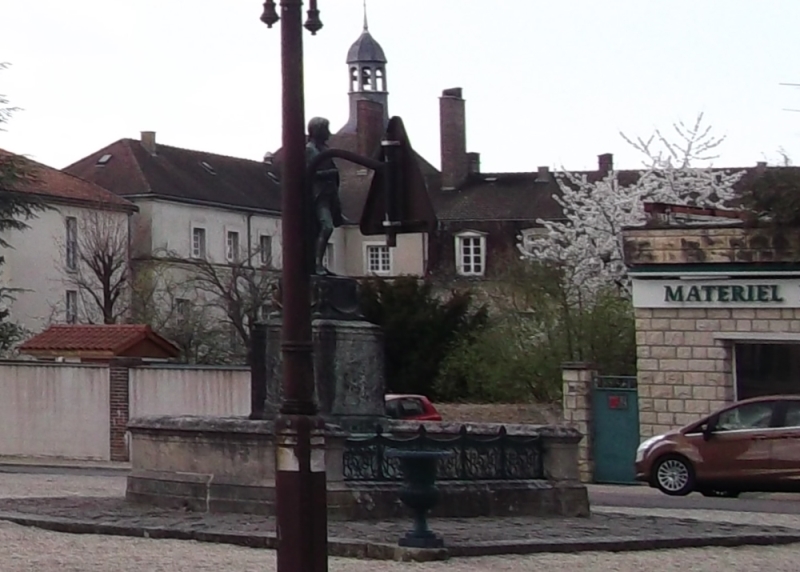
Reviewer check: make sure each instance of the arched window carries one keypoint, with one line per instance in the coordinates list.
(366, 79)
(380, 80)
(354, 78)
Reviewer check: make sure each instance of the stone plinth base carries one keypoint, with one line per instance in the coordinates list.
(349, 384)
(210, 464)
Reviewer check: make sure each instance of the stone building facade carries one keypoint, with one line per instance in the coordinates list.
(717, 319)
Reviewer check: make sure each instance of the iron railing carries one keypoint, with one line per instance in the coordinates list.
(472, 458)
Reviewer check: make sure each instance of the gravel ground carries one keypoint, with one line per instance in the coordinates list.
(32, 550)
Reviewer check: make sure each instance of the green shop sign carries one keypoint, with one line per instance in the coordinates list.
(764, 293)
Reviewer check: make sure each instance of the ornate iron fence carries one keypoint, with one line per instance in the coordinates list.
(473, 457)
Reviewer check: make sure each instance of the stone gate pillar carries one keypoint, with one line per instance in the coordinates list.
(577, 378)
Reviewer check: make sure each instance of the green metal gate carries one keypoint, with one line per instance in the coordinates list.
(615, 429)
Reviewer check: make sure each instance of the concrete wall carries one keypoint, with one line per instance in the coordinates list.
(189, 391)
(54, 411)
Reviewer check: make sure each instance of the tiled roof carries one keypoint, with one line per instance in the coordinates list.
(46, 182)
(181, 174)
(112, 339)
(521, 196)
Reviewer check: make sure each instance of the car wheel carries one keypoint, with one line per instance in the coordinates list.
(720, 494)
(674, 475)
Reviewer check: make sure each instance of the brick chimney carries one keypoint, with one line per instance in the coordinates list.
(605, 163)
(543, 175)
(453, 130)
(370, 126)
(148, 140)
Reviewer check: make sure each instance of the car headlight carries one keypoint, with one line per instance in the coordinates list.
(640, 452)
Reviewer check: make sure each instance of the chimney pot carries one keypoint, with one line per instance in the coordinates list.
(543, 175)
(605, 163)
(148, 139)
(453, 133)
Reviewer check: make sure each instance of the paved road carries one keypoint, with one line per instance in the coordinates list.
(646, 497)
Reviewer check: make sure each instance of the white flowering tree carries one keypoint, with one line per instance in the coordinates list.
(587, 242)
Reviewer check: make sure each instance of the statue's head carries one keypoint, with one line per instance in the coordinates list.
(319, 129)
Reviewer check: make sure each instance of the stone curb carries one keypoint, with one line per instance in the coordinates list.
(347, 548)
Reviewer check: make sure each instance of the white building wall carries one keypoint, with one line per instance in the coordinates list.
(35, 264)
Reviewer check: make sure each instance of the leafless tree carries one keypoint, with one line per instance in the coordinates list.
(98, 266)
(241, 291)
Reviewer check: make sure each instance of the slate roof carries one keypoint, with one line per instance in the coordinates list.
(521, 197)
(47, 182)
(366, 49)
(114, 339)
(506, 196)
(180, 174)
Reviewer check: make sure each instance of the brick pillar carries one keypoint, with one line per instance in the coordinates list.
(119, 406)
(577, 406)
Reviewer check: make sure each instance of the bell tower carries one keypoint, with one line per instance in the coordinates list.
(366, 68)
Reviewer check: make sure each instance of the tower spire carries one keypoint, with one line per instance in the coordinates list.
(366, 23)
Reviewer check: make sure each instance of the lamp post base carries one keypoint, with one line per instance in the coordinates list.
(300, 493)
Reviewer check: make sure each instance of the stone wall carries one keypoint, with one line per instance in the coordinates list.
(577, 406)
(685, 364)
(707, 245)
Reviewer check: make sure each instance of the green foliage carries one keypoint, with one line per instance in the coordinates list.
(539, 326)
(774, 196)
(420, 329)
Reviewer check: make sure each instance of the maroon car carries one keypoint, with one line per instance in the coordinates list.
(411, 407)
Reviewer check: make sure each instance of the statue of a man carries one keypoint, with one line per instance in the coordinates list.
(325, 195)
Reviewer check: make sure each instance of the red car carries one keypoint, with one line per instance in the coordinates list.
(411, 408)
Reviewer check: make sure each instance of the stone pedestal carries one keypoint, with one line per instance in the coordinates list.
(349, 379)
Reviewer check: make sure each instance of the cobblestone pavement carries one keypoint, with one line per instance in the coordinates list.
(115, 511)
(28, 549)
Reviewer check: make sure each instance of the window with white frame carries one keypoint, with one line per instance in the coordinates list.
(265, 249)
(232, 246)
(72, 243)
(378, 259)
(471, 254)
(72, 306)
(198, 242)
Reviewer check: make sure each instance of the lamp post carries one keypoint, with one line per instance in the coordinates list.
(300, 488)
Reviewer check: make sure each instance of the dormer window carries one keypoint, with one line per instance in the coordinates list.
(470, 247)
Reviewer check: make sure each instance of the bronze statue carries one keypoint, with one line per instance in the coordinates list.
(327, 208)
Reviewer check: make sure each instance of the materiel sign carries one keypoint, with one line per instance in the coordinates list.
(744, 293)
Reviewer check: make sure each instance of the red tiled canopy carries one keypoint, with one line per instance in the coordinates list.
(98, 341)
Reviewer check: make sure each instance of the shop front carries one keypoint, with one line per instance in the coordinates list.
(717, 320)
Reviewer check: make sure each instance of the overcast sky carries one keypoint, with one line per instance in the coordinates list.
(546, 82)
